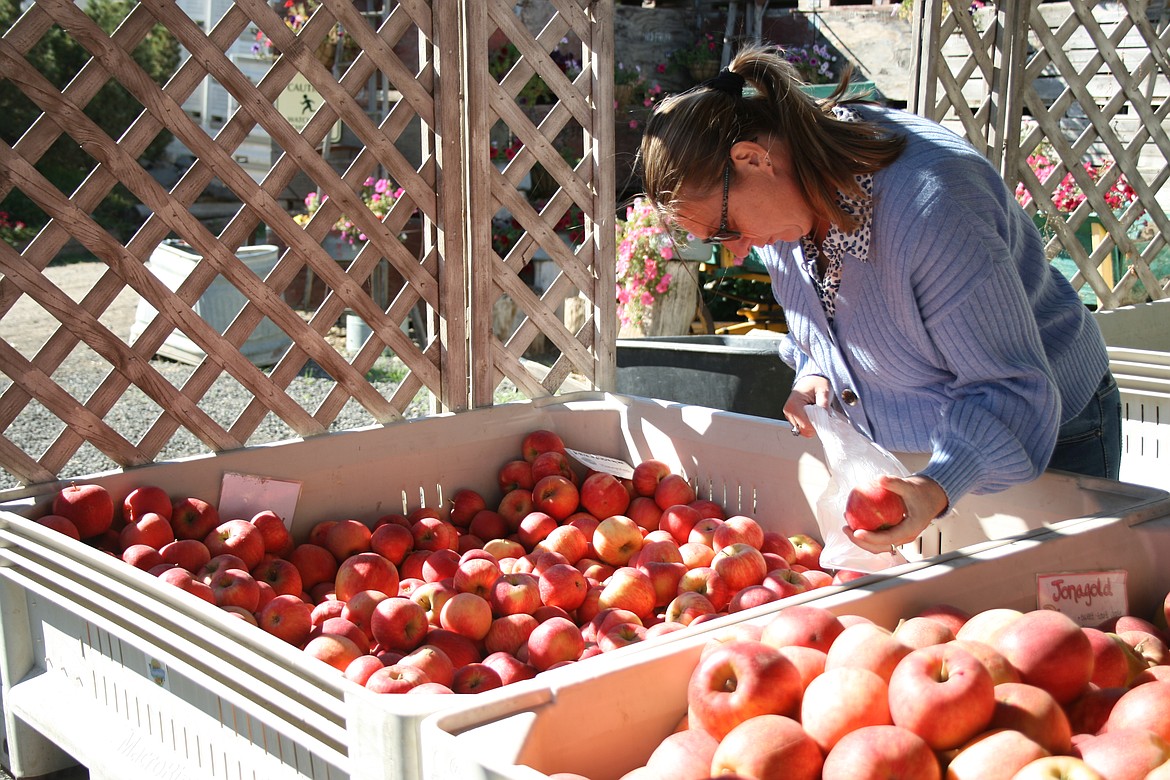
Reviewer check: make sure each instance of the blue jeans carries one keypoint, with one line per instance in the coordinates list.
(1090, 443)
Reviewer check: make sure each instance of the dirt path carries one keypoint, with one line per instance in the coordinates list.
(27, 326)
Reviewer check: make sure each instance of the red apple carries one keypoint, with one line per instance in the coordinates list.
(465, 504)
(566, 540)
(674, 489)
(396, 678)
(710, 583)
(193, 518)
(629, 588)
(392, 541)
(562, 585)
(779, 544)
(190, 554)
(515, 593)
(219, 563)
(603, 495)
(949, 615)
(866, 646)
(687, 606)
(61, 525)
(986, 625)
(550, 464)
(740, 564)
(879, 753)
(943, 694)
(467, 614)
(346, 538)
(768, 746)
(337, 650)
(647, 475)
(739, 680)
(738, 529)
(365, 571)
(475, 678)
(534, 527)
(708, 508)
(786, 582)
(315, 563)
(142, 556)
(359, 609)
(809, 661)
(1144, 706)
(440, 565)
(538, 441)
(685, 755)
(994, 755)
(360, 668)
(431, 596)
(554, 641)
(510, 668)
(239, 538)
(1124, 754)
(918, 632)
(509, 633)
(88, 506)
(1034, 713)
(432, 533)
(843, 700)
(143, 499)
(1058, 768)
(514, 506)
(488, 524)
(1001, 670)
(555, 496)
(515, 475)
(1089, 711)
(149, 528)
(288, 618)
(802, 624)
(235, 588)
(1050, 651)
(1114, 661)
(696, 554)
(398, 624)
(621, 635)
(433, 661)
(679, 519)
(873, 507)
(808, 550)
(645, 513)
(616, 539)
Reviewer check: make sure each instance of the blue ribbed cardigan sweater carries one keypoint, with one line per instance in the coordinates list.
(956, 335)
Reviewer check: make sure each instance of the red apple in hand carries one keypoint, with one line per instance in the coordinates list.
(871, 507)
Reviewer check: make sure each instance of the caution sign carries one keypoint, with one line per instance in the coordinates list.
(297, 104)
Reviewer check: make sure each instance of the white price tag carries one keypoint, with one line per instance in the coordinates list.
(1088, 597)
(243, 495)
(619, 468)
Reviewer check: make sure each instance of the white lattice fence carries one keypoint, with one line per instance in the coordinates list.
(1085, 86)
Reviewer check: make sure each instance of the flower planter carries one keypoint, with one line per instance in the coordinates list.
(172, 262)
(735, 373)
(820, 91)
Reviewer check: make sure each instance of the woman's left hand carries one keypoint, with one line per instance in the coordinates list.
(924, 499)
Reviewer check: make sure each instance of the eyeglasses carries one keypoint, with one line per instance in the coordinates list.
(722, 235)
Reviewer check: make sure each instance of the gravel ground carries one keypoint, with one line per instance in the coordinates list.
(26, 326)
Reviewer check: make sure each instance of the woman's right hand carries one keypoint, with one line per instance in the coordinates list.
(807, 391)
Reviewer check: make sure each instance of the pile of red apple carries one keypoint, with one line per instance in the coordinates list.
(998, 695)
(468, 596)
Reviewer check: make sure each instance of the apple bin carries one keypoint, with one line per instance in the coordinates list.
(603, 720)
(106, 666)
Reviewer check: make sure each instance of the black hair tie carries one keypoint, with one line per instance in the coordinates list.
(728, 82)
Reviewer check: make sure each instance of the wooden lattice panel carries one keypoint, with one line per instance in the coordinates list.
(424, 140)
(1088, 83)
(572, 54)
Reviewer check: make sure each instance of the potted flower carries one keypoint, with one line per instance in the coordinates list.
(814, 63)
(657, 294)
(14, 232)
(295, 14)
(700, 60)
(1067, 197)
(379, 195)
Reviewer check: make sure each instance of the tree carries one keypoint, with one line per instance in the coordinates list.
(59, 57)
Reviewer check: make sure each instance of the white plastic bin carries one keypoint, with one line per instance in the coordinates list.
(219, 304)
(603, 720)
(1139, 355)
(133, 678)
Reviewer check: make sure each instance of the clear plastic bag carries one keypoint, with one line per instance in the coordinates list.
(852, 460)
